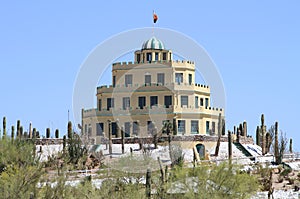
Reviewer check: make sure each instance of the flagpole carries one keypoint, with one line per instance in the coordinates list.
(152, 24)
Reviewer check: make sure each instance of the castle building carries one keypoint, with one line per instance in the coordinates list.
(149, 92)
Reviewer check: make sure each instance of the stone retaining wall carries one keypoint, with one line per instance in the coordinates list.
(136, 140)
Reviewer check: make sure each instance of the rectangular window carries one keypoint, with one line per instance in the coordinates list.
(147, 79)
(85, 128)
(128, 80)
(161, 78)
(207, 127)
(201, 101)
(127, 129)
(181, 126)
(190, 79)
(196, 102)
(138, 58)
(156, 56)
(100, 104)
(142, 102)
(126, 102)
(213, 127)
(184, 101)
(110, 103)
(135, 128)
(168, 101)
(114, 81)
(164, 56)
(179, 78)
(149, 57)
(114, 128)
(194, 126)
(99, 129)
(206, 102)
(153, 101)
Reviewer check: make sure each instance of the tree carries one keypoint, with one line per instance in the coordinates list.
(270, 137)
(283, 141)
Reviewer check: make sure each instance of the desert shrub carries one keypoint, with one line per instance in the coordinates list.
(286, 172)
(20, 169)
(213, 181)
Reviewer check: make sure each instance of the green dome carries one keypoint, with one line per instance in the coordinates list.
(153, 43)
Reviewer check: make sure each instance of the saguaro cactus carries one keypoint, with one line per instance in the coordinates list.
(18, 128)
(34, 133)
(155, 137)
(263, 135)
(219, 124)
(241, 130)
(268, 142)
(174, 126)
(48, 133)
(56, 133)
(219, 135)
(64, 144)
(257, 136)
(118, 129)
(12, 133)
(229, 146)
(245, 133)
(148, 184)
(123, 140)
(30, 130)
(291, 145)
(21, 132)
(4, 127)
(276, 149)
(223, 127)
(70, 134)
(110, 139)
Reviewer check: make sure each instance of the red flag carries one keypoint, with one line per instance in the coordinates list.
(155, 17)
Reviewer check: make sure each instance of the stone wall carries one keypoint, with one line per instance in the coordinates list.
(136, 140)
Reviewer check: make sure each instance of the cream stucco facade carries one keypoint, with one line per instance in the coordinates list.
(148, 92)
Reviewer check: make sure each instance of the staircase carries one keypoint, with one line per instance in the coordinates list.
(240, 147)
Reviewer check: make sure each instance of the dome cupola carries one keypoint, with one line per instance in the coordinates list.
(153, 43)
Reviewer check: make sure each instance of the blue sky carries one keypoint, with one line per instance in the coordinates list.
(255, 45)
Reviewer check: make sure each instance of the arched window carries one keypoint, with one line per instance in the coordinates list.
(201, 150)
